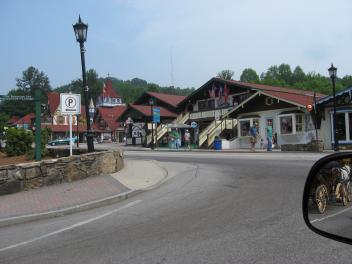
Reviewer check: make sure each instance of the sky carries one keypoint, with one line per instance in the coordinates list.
(182, 43)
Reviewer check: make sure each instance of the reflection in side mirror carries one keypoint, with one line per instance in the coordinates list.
(327, 201)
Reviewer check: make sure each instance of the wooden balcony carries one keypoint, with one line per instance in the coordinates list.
(211, 114)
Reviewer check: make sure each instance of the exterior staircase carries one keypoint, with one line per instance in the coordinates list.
(162, 128)
(207, 136)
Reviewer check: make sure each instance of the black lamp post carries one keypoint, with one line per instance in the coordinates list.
(81, 36)
(332, 72)
(151, 102)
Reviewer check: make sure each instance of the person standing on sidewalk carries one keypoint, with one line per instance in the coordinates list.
(269, 135)
(253, 131)
(187, 137)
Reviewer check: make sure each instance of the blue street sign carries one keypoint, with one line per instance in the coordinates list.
(194, 124)
(156, 115)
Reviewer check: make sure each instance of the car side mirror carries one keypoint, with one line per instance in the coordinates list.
(327, 197)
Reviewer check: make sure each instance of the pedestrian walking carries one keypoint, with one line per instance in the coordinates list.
(269, 135)
(253, 131)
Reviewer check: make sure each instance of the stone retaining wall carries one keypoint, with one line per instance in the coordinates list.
(314, 146)
(16, 178)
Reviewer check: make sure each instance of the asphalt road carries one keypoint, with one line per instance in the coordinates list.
(217, 208)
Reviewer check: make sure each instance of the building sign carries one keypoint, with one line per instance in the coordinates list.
(16, 98)
(156, 115)
(70, 104)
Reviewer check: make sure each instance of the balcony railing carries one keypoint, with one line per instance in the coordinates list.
(209, 114)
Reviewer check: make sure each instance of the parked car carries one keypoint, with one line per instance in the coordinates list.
(63, 141)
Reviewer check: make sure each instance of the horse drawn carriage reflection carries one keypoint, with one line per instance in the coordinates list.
(332, 185)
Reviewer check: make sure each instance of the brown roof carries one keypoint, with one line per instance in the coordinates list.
(65, 128)
(170, 99)
(299, 99)
(145, 110)
(53, 101)
(109, 90)
(27, 119)
(13, 119)
(110, 115)
(296, 96)
(275, 88)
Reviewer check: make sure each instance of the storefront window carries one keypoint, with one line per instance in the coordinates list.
(286, 124)
(60, 120)
(244, 127)
(204, 105)
(350, 123)
(341, 126)
(299, 123)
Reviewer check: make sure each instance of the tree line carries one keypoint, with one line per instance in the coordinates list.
(32, 78)
(130, 90)
(282, 75)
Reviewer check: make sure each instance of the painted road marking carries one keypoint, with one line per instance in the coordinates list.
(332, 215)
(71, 226)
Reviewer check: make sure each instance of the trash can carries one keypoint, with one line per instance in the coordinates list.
(217, 144)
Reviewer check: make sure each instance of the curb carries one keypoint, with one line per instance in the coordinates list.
(82, 207)
(164, 179)
(69, 210)
(225, 151)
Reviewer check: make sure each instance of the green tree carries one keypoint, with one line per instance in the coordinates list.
(285, 73)
(139, 82)
(31, 79)
(95, 85)
(14, 108)
(3, 124)
(298, 75)
(346, 81)
(249, 75)
(152, 87)
(225, 74)
(4, 118)
(272, 73)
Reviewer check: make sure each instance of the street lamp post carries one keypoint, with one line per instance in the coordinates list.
(81, 36)
(151, 102)
(332, 72)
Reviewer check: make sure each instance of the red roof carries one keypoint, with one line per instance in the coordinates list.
(170, 99)
(110, 115)
(300, 97)
(295, 98)
(27, 119)
(53, 101)
(109, 91)
(65, 128)
(13, 119)
(145, 110)
(276, 88)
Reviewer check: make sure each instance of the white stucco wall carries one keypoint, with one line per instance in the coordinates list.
(299, 138)
(324, 133)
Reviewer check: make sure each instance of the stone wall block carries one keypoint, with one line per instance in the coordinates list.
(15, 178)
(3, 176)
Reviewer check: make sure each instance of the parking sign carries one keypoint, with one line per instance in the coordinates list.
(70, 104)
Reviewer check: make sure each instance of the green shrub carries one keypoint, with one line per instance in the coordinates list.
(18, 141)
(46, 133)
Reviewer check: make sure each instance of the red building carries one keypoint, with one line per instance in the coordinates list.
(59, 124)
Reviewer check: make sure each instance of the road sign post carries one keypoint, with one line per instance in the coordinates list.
(38, 135)
(70, 105)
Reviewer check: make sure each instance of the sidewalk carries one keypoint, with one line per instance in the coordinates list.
(56, 200)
